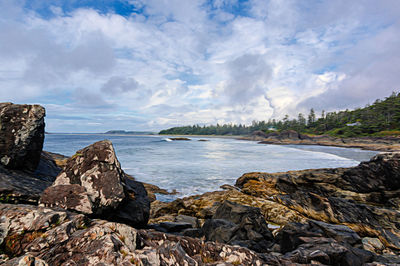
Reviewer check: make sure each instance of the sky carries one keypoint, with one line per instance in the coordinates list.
(98, 65)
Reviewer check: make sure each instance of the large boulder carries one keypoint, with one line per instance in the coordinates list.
(93, 183)
(238, 224)
(21, 135)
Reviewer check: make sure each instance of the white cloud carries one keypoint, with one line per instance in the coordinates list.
(189, 62)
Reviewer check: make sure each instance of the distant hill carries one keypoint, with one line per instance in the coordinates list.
(124, 132)
(379, 119)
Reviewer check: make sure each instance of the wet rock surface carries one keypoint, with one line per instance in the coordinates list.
(93, 182)
(21, 135)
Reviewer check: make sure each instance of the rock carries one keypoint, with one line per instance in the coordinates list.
(180, 138)
(18, 186)
(237, 224)
(21, 135)
(64, 238)
(26, 260)
(47, 169)
(172, 227)
(193, 232)
(203, 140)
(358, 197)
(328, 252)
(73, 197)
(372, 244)
(93, 182)
(291, 235)
(135, 208)
(153, 189)
(193, 221)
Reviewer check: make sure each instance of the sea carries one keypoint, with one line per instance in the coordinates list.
(195, 167)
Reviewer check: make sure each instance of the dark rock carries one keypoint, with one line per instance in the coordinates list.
(21, 135)
(291, 235)
(96, 185)
(193, 232)
(172, 227)
(180, 138)
(17, 186)
(381, 173)
(47, 169)
(135, 208)
(188, 219)
(259, 133)
(20, 187)
(241, 225)
(329, 252)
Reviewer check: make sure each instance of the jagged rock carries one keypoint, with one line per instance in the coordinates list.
(26, 260)
(328, 252)
(21, 135)
(64, 238)
(350, 196)
(291, 235)
(204, 207)
(237, 224)
(93, 182)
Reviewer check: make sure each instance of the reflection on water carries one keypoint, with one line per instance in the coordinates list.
(194, 167)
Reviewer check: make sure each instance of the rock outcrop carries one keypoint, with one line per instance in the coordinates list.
(291, 137)
(93, 183)
(47, 236)
(21, 135)
(343, 216)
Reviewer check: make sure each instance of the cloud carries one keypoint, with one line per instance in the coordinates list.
(118, 85)
(187, 62)
(248, 78)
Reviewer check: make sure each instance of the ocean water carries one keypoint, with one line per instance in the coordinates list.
(194, 167)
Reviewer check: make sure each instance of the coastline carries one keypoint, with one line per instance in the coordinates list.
(50, 209)
(381, 144)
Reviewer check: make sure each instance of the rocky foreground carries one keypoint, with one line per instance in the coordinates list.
(85, 210)
(291, 137)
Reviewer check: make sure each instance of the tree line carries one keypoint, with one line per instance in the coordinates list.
(380, 118)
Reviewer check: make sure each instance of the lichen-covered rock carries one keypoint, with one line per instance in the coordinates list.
(26, 260)
(21, 135)
(93, 183)
(58, 237)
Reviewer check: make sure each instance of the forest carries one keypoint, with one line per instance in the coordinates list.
(378, 119)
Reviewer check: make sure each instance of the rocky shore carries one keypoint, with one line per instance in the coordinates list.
(290, 137)
(84, 210)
